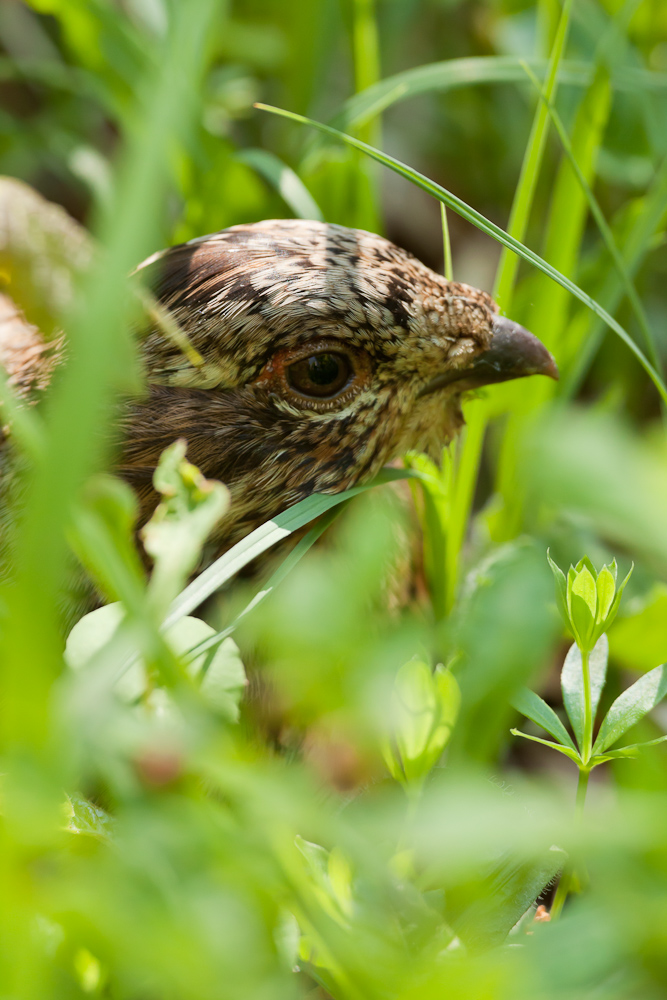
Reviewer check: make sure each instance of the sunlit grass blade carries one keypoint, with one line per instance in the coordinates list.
(98, 366)
(287, 565)
(478, 70)
(446, 245)
(289, 185)
(485, 225)
(263, 538)
(601, 222)
(634, 248)
(443, 76)
(531, 166)
(366, 62)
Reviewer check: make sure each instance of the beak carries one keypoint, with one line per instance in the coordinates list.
(512, 353)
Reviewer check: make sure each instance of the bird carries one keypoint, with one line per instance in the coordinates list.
(315, 354)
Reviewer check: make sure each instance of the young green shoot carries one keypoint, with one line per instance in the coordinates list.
(588, 601)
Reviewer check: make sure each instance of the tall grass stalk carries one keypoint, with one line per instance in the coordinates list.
(99, 360)
(366, 58)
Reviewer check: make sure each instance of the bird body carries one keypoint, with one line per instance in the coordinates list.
(314, 355)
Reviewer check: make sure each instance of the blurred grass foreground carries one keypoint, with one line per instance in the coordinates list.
(311, 789)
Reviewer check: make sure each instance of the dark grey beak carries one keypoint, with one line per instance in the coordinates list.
(512, 353)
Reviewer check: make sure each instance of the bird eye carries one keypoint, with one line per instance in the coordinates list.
(320, 375)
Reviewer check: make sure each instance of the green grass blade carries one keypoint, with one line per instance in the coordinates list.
(478, 70)
(446, 244)
(530, 168)
(443, 76)
(490, 228)
(99, 361)
(289, 185)
(366, 60)
(287, 565)
(602, 224)
(634, 249)
(263, 538)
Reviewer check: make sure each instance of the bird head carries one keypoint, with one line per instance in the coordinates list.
(320, 354)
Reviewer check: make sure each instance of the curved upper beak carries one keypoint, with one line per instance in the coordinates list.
(513, 353)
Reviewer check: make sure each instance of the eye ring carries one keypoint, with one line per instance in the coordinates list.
(316, 386)
(321, 375)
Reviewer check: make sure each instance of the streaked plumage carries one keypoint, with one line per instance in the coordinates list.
(254, 302)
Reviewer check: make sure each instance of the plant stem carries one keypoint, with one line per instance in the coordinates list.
(567, 878)
(582, 788)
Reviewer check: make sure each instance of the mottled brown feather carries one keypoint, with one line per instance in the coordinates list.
(246, 293)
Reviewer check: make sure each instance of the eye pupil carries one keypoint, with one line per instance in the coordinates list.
(323, 369)
(321, 375)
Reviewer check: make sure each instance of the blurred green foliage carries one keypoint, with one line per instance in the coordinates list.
(190, 818)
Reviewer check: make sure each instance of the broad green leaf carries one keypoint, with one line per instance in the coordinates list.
(631, 706)
(289, 185)
(536, 709)
(220, 673)
(572, 683)
(490, 228)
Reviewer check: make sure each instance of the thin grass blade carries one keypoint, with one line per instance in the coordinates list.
(490, 228)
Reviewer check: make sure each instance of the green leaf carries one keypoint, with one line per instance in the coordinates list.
(425, 706)
(630, 751)
(176, 532)
(572, 683)
(583, 586)
(631, 706)
(85, 818)
(582, 622)
(89, 636)
(613, 611)
(606, 588)
(572, 754)
(220, 672)
(561, 587)
(536, 709)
